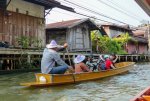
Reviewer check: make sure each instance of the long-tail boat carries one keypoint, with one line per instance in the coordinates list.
(57, 79)
(143, 96)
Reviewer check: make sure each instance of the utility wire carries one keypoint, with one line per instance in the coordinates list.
(92, 11)
(67, 13)
(118, 10)
(124, 9)
(92, 16)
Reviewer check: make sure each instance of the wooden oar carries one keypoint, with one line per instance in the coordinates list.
(70, 64)
(68, 56)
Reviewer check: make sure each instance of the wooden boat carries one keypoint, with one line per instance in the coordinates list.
(57, 79)
(143, 96)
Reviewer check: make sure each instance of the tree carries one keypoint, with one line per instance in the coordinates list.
(108, 45)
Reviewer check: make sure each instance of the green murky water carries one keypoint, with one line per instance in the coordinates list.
(116, 88)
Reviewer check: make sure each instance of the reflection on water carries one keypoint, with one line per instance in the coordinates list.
(116, 88)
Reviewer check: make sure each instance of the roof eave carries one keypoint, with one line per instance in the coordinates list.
(50, 4)
(144, 6)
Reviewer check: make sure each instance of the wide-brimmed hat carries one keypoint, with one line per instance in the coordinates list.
(79, 58)
(52, 44)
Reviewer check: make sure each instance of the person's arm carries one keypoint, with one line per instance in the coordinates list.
(101, 57)
(112, 66)
(58, 60)
(62, 48)
(115, 59)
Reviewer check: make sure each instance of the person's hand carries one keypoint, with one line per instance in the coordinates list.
(71, 69)
(65, 45)
(116, 56)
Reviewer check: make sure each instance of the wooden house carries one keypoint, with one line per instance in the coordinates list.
(137, 45)
(75, 32)
(141, 35)
(24, 18)
(114, 30)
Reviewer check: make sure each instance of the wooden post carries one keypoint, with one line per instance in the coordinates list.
(119, 58)
(132, 58)
(29, 58)
(148, 41)
(126, 58)
(63, 56)
(137, 58)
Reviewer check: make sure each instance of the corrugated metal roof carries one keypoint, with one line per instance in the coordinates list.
(68, 24)
(62, 24)
(126, 27)
(139, 39)
(141, 31)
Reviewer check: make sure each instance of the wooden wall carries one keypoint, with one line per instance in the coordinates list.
(142, 48)
(23, 7)
(136, 48)
(78, 38)
(15, 24)
(132, 48)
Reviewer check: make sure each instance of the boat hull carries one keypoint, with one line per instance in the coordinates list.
(57, 79)
(143, 96)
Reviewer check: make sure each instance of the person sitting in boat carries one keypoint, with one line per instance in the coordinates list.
(113, 58)
(108, 62)
(50, 57)
(80, 66)
(101, 62)
(92, 66)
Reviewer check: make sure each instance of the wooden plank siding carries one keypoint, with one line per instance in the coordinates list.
(16, 24)
(77, 37)
(80, 38)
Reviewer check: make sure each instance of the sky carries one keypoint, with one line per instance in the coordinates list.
(124, 11)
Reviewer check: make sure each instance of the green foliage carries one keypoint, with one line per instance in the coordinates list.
(23, 41)
(123, 38)
(28, 42)
(108, 45)
(37, 42)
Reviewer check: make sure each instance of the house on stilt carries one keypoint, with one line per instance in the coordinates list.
(24, 18)
(136, 45)
(75, 32)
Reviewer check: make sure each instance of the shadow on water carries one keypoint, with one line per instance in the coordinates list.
(116, 88)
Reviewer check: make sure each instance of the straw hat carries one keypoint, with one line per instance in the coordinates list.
(79, 58)
(52, 44)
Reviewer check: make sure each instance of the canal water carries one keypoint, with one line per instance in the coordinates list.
(117, 88)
